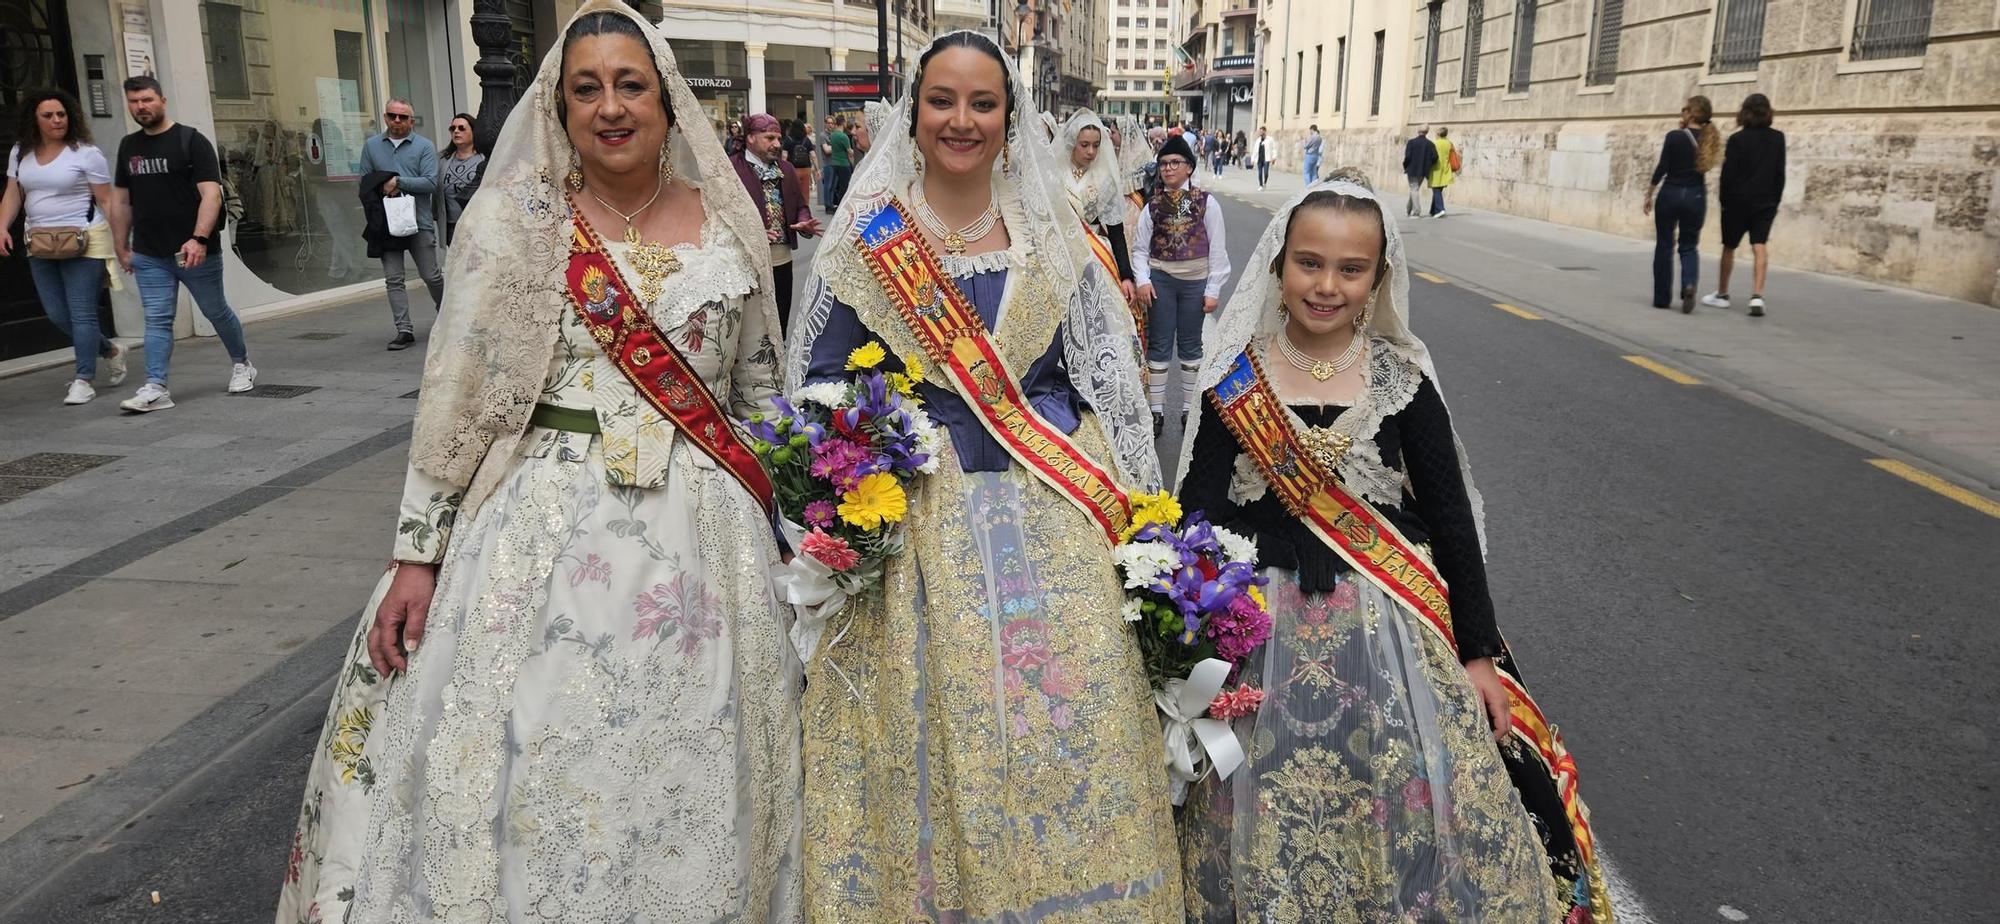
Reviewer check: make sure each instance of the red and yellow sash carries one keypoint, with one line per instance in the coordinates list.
(1376, 549)
(598, 293)
(948, 328)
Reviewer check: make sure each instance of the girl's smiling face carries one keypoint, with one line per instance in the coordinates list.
(1332, 260)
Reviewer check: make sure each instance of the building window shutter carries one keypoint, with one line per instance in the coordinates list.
(1521, 69)
(1475, 17)
(1433, 26)
(1607, 30)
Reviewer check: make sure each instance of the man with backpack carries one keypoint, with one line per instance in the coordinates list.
(166, 225)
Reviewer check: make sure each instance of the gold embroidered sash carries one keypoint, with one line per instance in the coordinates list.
(621, 326)
(1378, 551)
(948, 328)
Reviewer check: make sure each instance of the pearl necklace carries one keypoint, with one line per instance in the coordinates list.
(955, 241)
(1320, 369)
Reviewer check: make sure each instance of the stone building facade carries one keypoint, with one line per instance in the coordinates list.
(1890, 108)
(1140, 50)
(1342, 67)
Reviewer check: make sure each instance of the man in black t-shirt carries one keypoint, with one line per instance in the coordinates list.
(166, 222)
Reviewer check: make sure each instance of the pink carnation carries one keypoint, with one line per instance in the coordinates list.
(1237, 703)
(1238, 630)
(831, 551)
(820, 513)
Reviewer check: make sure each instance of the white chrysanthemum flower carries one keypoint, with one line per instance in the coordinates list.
(930, 440)
(1236, 547)
(1145, 562)
(824, 394)
(1132, 613)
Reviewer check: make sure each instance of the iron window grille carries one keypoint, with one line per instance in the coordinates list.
(1739, 37)
(1319, 72)
(1475, 16)
(1890, 29)
(1431, 30)
(1610, 26)
(1524, 46)
(1340, 73)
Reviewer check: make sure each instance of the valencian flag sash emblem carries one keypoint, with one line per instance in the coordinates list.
(948, 328)
(1540, 765)
(621, 326)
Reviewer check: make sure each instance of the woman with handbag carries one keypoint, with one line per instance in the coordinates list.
(63, 183)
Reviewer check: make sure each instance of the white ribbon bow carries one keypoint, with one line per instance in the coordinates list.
(1195, 744)
(808, 584)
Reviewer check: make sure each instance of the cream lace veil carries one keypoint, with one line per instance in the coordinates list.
(1133, 152)
(1028, 187)
(1099, 194)
(501, 314)
(1251, 318)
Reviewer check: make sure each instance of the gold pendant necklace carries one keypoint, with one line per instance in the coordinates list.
(955, 240)
(652, 261)
(1320, 369)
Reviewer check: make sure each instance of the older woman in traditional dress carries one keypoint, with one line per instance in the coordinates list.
(600, 724)
(980, 739)
(1398, 770)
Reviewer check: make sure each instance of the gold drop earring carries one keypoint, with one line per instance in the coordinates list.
(574, 178)
(1367, 315)
(1007, 156)
(667, 163)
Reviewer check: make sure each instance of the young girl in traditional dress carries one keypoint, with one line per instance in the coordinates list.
(1378, 781)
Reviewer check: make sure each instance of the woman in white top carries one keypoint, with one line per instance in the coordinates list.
(63, 181)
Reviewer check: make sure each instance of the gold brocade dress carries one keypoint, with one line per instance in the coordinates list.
(981, 742)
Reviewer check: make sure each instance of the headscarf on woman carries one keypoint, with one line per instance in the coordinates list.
(1133, 152)
(490, 348)
(1098, 193)
(1030, 193)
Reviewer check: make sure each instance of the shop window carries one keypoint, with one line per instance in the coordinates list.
(291, 151)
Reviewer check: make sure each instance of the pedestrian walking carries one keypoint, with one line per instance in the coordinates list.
(1266, 152)
(774, 187)
(1687, 153)
(59, 184)
(1753, 183)
(1390, 744)
(600, 723)
(412, 164)
(733, 145)
(1443, 170)
(1239, 150)
(166, 226)
(1419, 155)
(839, 152)
(464, 167)
(1180, 259)
(823, 164)
(934, 720)
(1312, 147)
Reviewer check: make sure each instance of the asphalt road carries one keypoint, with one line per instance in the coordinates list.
(1771, 660)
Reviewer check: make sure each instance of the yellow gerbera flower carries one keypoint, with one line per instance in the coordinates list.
(915, 370)
(867, 356)
(876, 499)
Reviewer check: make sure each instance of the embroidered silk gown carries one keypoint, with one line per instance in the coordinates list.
(981, 743)
(1373, 790)
(600, 724)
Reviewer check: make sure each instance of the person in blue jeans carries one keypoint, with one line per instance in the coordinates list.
(1181, 262)
(1681, 205)
(166, 219)
(59, 179)
(1314, 144)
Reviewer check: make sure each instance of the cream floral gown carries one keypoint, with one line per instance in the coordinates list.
(601, 722)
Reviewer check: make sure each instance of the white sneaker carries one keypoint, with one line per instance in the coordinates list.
(150, 397)
(80, 392)
(1715, 300)
(113, 366)
(242, 378)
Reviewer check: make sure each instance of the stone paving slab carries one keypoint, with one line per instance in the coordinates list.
(1910, 370)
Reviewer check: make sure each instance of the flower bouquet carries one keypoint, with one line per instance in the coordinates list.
(841, 456)
(1194, 594)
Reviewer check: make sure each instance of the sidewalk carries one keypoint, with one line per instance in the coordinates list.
(195, 561)
(1874, 365)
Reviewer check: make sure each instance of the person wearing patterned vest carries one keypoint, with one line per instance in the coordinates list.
(1181, 263)
(774, 186)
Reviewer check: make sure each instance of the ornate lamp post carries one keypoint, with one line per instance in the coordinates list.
(494, 34)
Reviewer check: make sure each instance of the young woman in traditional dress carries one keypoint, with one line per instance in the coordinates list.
(1095, 190)
(1378, 782)
(600, 724)
(980, 739)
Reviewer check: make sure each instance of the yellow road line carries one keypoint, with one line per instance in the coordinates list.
(1521, 313)
(1431, 277)
(1663, 370)
(1926, 479)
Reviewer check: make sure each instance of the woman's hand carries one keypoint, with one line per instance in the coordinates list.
(399, 621)
(1125, 286)
(1145, 294)
(1492, 694)
(1647, 206)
